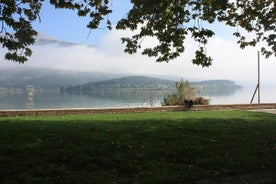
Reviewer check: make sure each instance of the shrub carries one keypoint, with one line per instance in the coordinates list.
(171, 100)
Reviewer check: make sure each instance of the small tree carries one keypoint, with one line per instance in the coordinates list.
(184, 91)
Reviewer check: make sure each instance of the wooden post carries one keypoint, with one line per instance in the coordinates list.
(259, 91)
(258, 84)
(254, 93)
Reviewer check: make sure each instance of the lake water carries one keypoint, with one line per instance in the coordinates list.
(122, 98)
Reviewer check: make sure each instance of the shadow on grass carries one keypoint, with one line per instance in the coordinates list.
(141, 148)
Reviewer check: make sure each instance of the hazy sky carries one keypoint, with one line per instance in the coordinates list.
(106, 55)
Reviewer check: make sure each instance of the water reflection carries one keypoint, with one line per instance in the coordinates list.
(120, 98)
(218, 92)
(127, 94)
(30, 91)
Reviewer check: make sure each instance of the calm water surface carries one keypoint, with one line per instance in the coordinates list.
(133, 98)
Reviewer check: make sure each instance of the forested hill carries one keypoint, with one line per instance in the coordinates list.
(142, 82)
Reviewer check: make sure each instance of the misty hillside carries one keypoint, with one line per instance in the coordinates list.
(51, 79)
(42, 39)
(142, 82)
(215, 84)
(47, 78)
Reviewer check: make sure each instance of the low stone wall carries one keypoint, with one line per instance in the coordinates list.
(38, 112)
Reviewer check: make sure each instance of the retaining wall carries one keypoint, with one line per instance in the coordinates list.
(37, 112)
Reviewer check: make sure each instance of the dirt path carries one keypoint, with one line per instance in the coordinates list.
(272, 111)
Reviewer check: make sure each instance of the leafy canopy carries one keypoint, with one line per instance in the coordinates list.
(171, 22)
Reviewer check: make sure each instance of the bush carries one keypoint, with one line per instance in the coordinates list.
(171, 100)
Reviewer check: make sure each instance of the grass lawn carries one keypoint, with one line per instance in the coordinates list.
(165, 147)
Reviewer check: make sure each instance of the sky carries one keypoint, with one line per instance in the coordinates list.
(107, 54)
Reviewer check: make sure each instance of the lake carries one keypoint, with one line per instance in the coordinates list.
(123, 98)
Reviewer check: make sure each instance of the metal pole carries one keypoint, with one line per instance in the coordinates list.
(259, 91)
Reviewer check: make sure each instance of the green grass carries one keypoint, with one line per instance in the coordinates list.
(160, 147)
